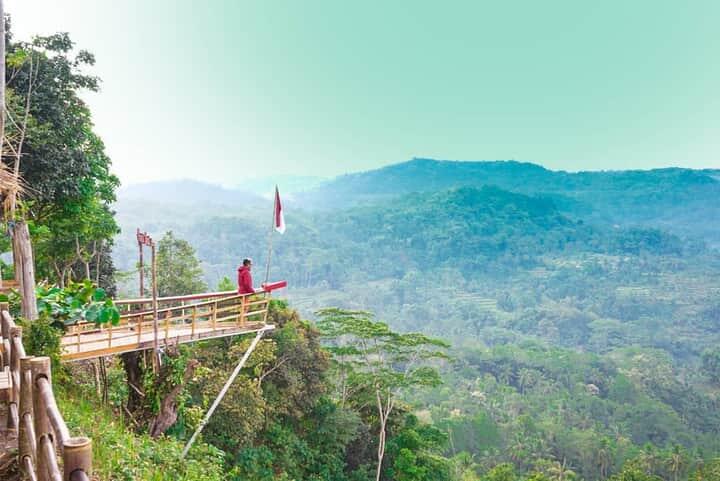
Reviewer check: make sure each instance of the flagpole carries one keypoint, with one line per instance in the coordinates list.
(270, 236)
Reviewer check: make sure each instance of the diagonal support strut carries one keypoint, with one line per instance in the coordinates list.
(225, 388)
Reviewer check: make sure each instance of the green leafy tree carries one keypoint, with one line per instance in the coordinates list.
(416, 453)
(377, 363)
(501, 472)
(178, 269)
(225, 284)
(711, 364)
(634, 473)
(61, 160)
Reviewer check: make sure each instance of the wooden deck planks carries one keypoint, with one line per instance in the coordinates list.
(96, 344)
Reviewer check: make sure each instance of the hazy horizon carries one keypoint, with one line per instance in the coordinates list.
(276, 179)
(229, 91)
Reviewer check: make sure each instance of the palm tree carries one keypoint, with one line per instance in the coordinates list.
(604, 460)
(676, 462)
(559, 472)
(464, 462)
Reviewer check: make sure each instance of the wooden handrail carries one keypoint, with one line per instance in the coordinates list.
(188, 297)
(269, 287)
(35, 415)
(188, 321)
(212, 300)
(126, 317)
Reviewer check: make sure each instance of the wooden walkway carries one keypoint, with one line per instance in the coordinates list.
(181, 319)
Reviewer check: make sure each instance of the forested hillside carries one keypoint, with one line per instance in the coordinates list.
(583, 315)
(680, 200)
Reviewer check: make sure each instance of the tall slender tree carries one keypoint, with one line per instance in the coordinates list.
(379, 362)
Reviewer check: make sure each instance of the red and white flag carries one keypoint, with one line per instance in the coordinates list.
(279, 218)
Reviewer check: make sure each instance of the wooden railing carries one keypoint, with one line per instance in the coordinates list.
(8, 285)
(145, 303)
(184, 319)
(33, 412)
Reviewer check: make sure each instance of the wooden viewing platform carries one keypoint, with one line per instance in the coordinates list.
(181, 319)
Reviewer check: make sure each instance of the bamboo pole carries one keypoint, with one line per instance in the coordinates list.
(156, 347)
(214, 314)
(224, 390)
(43, 389)
(46, 452)
(40, 367)
(270, 237)
(14, 398)
(77, 457)
(194, 319)
(141, 265)
(26, 430)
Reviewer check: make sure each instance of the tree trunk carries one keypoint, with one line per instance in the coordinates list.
(96, 372)
(131, 362)
(381, 448)
(2, 72)
(383, 415)
(168, 407)
(25, 269)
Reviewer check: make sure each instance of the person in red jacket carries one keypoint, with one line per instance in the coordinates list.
(245, 284)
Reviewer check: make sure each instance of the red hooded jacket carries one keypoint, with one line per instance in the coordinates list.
(245, 284)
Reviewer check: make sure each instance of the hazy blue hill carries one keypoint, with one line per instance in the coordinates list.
(189, 192)
(288, 184)
(479, 231)
(419, 175)
(680, 200)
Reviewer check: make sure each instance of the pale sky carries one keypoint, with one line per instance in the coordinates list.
(226, 90)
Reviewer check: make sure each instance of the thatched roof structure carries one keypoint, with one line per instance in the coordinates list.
(8, 182)
(10, 185)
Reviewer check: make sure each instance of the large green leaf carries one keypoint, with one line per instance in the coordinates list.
(92, 313)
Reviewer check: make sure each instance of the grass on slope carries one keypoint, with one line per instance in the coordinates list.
(121, 455)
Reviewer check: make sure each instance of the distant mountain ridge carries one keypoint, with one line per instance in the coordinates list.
(685, 201)
(418, 175)
(187, 192)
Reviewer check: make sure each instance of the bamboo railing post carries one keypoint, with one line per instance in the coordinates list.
(194, 318)
(6, 350)
(4, 396)
(243, 310)
(167, 325)
(14, 395)
(5, 333)
(139, 328)
(26, 431)
(40, 367)
(77, 456)
(267, 307)
(77, 330)
(214, 314)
